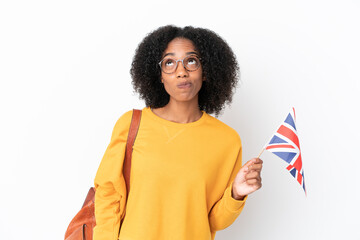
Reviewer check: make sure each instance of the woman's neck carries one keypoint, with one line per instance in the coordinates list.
(179, 112)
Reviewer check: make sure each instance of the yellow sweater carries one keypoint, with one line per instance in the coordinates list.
(180, 183)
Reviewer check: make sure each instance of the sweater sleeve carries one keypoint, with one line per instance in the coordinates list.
(227, 209)
(110, 195)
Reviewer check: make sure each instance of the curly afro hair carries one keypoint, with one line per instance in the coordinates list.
(219, 64)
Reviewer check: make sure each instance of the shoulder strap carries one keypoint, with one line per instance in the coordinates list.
(134, 126)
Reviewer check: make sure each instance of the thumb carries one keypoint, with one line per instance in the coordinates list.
(244, 170)
(248, 163)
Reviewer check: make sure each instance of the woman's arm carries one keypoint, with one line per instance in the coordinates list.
(243, 181)
(227, 209)
(110, 195)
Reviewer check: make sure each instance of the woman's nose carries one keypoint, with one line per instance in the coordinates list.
(181, 70)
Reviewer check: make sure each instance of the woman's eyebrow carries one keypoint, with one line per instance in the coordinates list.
(173, 54)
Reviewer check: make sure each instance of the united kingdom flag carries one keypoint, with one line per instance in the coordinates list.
(285, 144)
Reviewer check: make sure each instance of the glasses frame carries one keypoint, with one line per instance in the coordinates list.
(182, 61)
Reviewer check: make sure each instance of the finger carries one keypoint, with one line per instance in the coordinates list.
(257, 185)
(253, 181)
(251, 175)
(250, 162)
(255, 167)
(258, 160)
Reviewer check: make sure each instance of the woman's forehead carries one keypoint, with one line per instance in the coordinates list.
(180, 47)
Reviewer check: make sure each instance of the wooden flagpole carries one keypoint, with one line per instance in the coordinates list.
(261, 152)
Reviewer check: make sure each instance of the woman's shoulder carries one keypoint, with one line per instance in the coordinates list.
(223, 129)
(122, 124)
(125, 117)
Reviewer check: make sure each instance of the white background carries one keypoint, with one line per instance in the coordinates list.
(64, 71)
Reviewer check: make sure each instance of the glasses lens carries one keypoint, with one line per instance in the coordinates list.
(168, 65)
(191, 63)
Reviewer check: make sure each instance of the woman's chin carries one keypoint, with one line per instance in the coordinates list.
(184, 98)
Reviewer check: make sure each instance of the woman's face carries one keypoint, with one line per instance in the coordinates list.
(182, 85)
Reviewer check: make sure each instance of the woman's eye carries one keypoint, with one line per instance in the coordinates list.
(169, 62)
(192, 61)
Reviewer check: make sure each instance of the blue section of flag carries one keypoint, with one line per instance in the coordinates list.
(293, 172)
(289, 120)
(303, 175)
(286, 156)
(276, 139)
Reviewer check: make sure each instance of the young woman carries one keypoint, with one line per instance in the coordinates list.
(187, 179)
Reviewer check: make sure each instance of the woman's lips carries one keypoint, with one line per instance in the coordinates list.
(184, 85)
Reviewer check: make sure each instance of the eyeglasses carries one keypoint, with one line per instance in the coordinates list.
(190, 63)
